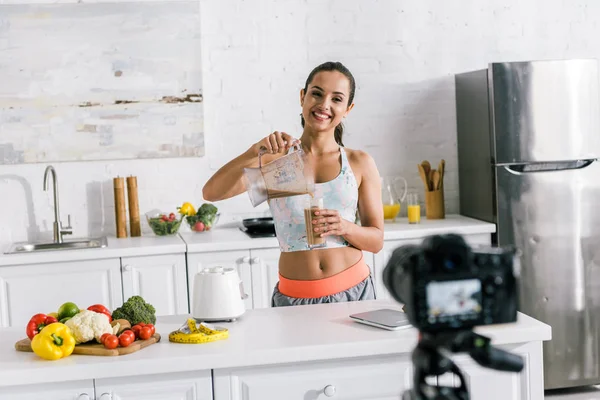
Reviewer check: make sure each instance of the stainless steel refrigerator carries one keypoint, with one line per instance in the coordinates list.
(528, 140)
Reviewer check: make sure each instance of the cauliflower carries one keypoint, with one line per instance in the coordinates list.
(88, 325)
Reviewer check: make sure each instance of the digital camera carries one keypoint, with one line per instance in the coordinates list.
(445, 285)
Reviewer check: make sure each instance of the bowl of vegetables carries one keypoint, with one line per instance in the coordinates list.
(204, 219)
(163, 223)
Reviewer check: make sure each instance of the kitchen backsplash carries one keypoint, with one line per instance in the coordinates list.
(255, 58)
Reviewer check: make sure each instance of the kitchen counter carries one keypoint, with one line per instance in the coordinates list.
(233, 238)
(261, 337)
(123, 247)
(230, 238)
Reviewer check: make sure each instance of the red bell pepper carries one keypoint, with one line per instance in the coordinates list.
(99, 308)
(37, 323)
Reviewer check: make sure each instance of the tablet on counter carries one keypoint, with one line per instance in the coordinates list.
(384, 318)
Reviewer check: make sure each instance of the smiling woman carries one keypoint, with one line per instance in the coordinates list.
(346, 180)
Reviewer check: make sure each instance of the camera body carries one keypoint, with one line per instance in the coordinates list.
(447, 286)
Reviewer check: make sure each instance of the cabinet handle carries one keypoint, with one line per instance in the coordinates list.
(83, 396)
(244, 260)
(105, 396)
(127, 268)
(329, 391)
(256, 260)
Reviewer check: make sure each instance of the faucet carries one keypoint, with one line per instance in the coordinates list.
(59, 230)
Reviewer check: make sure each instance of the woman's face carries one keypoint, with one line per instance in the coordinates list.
(325, 102)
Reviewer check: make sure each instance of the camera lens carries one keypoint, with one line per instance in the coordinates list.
(449, 264)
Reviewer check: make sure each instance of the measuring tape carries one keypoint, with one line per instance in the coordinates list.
(192, 333)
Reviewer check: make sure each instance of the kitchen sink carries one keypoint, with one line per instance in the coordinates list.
(74, 244)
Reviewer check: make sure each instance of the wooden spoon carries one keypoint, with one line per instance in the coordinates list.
(426, 167)
(423, 176)
(430, 180)
(436, 180)
(441, 169)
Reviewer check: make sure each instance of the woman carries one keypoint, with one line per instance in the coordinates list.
(348, 181)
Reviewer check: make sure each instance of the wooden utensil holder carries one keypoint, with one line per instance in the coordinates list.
(434, 204)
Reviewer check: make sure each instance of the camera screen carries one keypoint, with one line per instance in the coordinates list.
(451, 300)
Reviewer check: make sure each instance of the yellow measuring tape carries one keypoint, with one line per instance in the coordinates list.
(202, 333)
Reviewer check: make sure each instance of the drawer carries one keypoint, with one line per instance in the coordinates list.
(380, 378)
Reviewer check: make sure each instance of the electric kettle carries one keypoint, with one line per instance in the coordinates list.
(218, 295)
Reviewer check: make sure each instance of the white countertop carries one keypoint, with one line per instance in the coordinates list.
(117, 247)
(234, 239)
(260, 337)
(231, 238)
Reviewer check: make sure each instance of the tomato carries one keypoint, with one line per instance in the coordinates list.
(130, 333)
(146, 333)
(172, 217)
(126, 339)
(136, 330)
(142, 324)
(104, 336)
(199, 226)
(111, 342)
(152, 328)
(164, 218)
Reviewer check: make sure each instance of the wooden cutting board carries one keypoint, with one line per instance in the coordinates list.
(97, 349)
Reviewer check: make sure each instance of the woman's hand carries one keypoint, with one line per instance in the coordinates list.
(329, 222)
(276, 142)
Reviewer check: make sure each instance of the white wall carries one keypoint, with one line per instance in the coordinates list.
(256, 55)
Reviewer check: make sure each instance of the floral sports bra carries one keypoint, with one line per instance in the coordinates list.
(339, 194)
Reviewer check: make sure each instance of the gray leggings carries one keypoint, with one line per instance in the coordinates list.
(365, 290)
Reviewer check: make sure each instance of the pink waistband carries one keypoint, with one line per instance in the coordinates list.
(327, 286)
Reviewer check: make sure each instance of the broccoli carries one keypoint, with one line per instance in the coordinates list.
(207, 213)
(136, 310)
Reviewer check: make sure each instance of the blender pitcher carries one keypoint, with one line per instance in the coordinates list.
(392, 196)
(287, 176)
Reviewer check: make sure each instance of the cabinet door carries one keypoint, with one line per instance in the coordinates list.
(265, 275)
(76, 390)
(381, 258)
(239, 259)
(196, 385)
(161, 280)
(381, 378)
(26, 290)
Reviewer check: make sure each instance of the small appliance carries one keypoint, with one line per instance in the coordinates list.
(258, 227)
(218, 295)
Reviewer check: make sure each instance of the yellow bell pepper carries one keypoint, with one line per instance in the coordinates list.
(54, 342)
(187, 209)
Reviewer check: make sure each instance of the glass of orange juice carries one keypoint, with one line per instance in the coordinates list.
(413, 208)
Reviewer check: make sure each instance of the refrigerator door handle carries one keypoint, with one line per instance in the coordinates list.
(520, 169)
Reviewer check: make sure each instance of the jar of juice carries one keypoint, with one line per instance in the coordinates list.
(413, 208)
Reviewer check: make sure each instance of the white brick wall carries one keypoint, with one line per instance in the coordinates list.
(257, 55)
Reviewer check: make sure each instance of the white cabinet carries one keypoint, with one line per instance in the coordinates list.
(75, 390)
(380, 378)
(161, 280)
(381, 258)
(196, 385)
(239, 259)
(265, 275)
(26, 290)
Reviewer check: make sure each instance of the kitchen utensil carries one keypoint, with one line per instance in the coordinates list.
(392, 195)
(426, 167)
(134, 210)
(97, 349)
(423, 175)
(218, 295)
(289, 175)
(258, 224)
(436, 180)
(120, 208)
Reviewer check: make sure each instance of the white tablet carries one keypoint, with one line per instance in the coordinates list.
(384, 318)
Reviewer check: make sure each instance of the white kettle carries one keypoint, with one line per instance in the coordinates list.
(218, 295)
